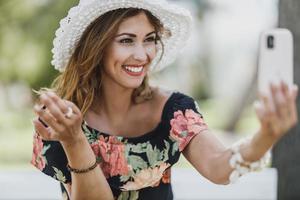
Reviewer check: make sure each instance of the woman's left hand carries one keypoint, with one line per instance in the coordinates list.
(277, 113)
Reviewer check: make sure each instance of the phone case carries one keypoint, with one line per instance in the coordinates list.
(275, 59)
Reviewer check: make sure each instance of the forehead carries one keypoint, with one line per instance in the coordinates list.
(137, 24)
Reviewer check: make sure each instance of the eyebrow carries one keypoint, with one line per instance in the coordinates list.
(133, 35)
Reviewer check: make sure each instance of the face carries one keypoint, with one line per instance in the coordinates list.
(129, 56)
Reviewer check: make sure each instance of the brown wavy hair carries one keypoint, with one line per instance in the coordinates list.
(81, 80)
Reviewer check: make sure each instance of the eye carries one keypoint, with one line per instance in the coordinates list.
(151, 39)
(126, 41)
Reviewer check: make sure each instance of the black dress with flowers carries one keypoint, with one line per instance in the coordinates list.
(135, 168)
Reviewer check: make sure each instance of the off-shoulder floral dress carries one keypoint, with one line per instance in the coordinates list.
(135, 168)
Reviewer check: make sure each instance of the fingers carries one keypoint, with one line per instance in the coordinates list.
(260, 112)
(278, 112)
(290, 94)
(60, 115)
(74, 107)
(271, 117)
(44, 132)
(293, 105)
(64, 107)
(46, 117)
(281, 99)
(295, 90)
(55, 105)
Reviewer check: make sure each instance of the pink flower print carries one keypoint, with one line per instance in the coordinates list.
(195, 123)
(95, 148)
(38, 159)
(149, 177)
(112, 153)
(185, 127)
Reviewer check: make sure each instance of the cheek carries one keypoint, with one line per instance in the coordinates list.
(151, 51)
(117, 55)
(122, 53)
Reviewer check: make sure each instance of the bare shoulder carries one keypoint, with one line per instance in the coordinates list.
(160, 96)
(157, 103)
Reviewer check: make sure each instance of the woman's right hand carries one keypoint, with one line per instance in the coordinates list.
(63, 125)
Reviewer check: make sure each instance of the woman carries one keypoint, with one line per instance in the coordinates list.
(105, 133)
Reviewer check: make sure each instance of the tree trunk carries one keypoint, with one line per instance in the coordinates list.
(286, 153)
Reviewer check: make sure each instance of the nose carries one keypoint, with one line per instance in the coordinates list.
(140, 53)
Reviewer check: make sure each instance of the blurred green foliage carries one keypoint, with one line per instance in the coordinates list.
(16, 138)
(26, 35)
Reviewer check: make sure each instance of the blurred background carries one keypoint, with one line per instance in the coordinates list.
(218, 67)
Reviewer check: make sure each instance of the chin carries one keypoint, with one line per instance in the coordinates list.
(134, 85)
(132, 82)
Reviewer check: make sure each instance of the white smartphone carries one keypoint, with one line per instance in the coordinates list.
(276, 56)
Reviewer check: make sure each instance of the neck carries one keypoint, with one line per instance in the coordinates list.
(114, 101)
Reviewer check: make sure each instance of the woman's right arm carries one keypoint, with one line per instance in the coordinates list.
(67, 130)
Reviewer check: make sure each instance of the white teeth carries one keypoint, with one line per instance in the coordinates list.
(134, 69)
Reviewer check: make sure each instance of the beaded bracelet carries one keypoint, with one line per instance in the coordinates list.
(81, 171)
(241, 167)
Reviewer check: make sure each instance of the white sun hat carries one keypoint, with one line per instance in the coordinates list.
(174, 18)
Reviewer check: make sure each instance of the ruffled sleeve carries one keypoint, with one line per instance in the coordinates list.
(50, 158)
(186, 121)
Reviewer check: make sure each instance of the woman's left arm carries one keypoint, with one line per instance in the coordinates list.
(276, 115)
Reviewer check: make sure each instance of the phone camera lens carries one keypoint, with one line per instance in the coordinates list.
(270, 42)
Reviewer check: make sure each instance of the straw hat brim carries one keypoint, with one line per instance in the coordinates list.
(174, 18)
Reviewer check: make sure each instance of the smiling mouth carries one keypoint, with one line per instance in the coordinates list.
(134, 70)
